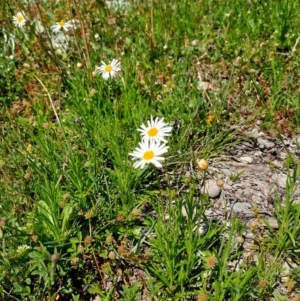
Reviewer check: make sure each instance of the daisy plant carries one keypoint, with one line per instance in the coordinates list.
(19, 20)
(155, 130)
(149, 152)
(109, 70)
(61, 25)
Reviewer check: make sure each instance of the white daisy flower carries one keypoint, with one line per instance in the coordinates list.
(22, 249)
(155, 130)
(62, 24)
(109, 70)
(149, 152)
(19, 20)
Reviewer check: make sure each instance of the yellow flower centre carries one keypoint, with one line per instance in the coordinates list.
(61, 23)
(210, 119)
(148, 155)
(20, 19)
(152, 132)
(108, 68)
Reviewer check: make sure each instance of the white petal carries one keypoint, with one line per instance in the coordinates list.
(156, 163)
(105, 75)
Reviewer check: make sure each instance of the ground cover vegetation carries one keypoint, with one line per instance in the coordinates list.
(104, 107)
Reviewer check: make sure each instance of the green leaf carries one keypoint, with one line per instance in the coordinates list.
(17, 288)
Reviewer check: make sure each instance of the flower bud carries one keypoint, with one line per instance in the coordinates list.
(202, 164)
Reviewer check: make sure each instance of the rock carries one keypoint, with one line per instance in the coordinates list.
(282, 155)
(195, 43)
(257, 153)
(211, 188)
(265, 143)
(242, 207)
(227, 185)
(203, 228)
(281, 180)
(273, 223)
(204, 85)
(183, 211)
(254, 133)
(248, 160)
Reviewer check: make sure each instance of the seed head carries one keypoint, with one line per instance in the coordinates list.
(88, 239)
(136, 212)
(3, 220)
(240, 239)
(74, 261)
(202, 297)
(90, 214)
(220, 183)
(262, 284)
(109, 239)
(34, 238)
(55, 257)
(27, 176)
(80, 249)
(211, 261)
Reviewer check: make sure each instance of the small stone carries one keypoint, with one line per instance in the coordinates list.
(286, 142)
(203, 85)
(195, 43)
(242, 207)
(203, 228)
(109, 284)
(254, 133)
(208, 212)
(227, 185)
(211, 188)
(281, 181)
(183, 211)
(265, 143)
(273, 223)
(257, 153)
(240, 240)
(282, 155)
(248, 160)
(286, 268)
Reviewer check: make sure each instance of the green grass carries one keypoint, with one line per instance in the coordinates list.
(94, 225)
